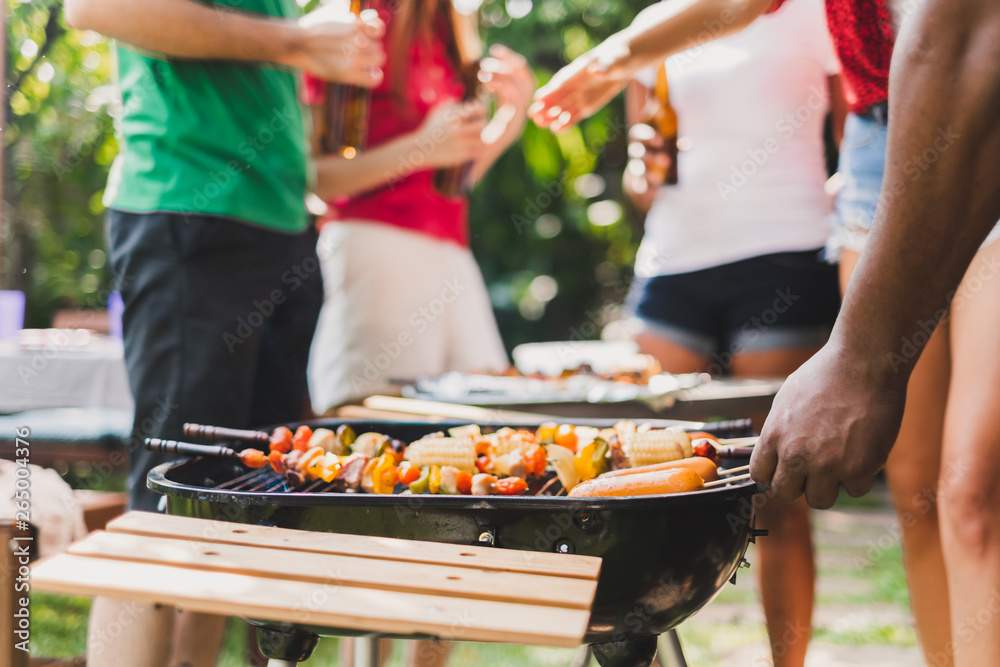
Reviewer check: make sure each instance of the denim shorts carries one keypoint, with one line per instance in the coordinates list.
(779, 301)
(862, 166)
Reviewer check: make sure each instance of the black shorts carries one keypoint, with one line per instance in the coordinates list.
(219, 316)
(778, 301)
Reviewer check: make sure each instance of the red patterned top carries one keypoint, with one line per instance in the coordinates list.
(410, 200)
(863, 34)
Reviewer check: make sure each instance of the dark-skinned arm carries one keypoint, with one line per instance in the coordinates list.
(836, 418)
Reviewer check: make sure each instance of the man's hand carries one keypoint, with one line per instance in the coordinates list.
(833, 422)
(338, 46)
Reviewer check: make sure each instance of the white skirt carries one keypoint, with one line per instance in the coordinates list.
(397, 305)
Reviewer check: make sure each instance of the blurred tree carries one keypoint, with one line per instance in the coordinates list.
(58, 145)
(555, 245)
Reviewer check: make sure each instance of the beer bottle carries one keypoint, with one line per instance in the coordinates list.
(665, 120)
(455, 180)
(347, 111)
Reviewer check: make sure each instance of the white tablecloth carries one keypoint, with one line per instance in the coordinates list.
(49, 373)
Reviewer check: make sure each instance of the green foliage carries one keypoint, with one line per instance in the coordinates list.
(556, 264)
(530, 213)
(58, 145)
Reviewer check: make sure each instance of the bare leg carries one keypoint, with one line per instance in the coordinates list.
(128, 633)
(969, 491)
(786, 569)
(428, 653)
(197, 639)
(674, 358)
(787, 575)
(912, 471)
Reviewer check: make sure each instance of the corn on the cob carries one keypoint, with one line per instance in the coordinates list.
(439, 451)
(657, 446)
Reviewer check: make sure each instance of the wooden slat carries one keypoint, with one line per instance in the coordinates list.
(10, 655)
(384, 548)
(458, 582)
(386, 612)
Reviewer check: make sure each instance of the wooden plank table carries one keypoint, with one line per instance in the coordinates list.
(379, 585)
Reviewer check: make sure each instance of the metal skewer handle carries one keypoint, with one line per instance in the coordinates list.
(221, 433)
(190, 449)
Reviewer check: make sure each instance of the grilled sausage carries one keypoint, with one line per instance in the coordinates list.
(705, 468)
(674, 480)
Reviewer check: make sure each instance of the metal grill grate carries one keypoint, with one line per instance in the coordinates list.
(265, 480)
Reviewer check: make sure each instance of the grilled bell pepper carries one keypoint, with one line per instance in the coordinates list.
(591, 461)
(434, 483)
(546, 432)
(423, 483)
(566, 437)
(385, 475)
(346, 435)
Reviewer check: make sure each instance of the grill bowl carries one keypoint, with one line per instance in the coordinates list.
(664, 557)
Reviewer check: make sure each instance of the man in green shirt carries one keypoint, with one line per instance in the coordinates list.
(209, 240)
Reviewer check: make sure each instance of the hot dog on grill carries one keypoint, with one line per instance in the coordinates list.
(705, 468)
(672, 480)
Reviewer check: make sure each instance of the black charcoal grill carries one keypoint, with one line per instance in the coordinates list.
(664, 557)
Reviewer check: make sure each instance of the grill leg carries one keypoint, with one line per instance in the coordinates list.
(671, 651)
(366, 652)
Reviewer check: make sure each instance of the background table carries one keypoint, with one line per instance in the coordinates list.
(46, 374)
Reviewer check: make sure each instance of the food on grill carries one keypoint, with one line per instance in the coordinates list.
(484, 485)
(705, 468)
(511, 486)
(327, 440)
(704, 444)
(281, 440)
(564, 463)
(675, 480)
(253, 458)
(553, 459)
(443, 451)
(350, 473)
(300, 441)
(647, 447)
(370, 444)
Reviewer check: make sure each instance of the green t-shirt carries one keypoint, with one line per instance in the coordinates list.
(213, 138)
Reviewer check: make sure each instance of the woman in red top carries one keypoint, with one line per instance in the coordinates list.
(404, 296)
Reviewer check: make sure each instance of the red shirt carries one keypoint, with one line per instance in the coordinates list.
(410, 200)
(863, 34)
